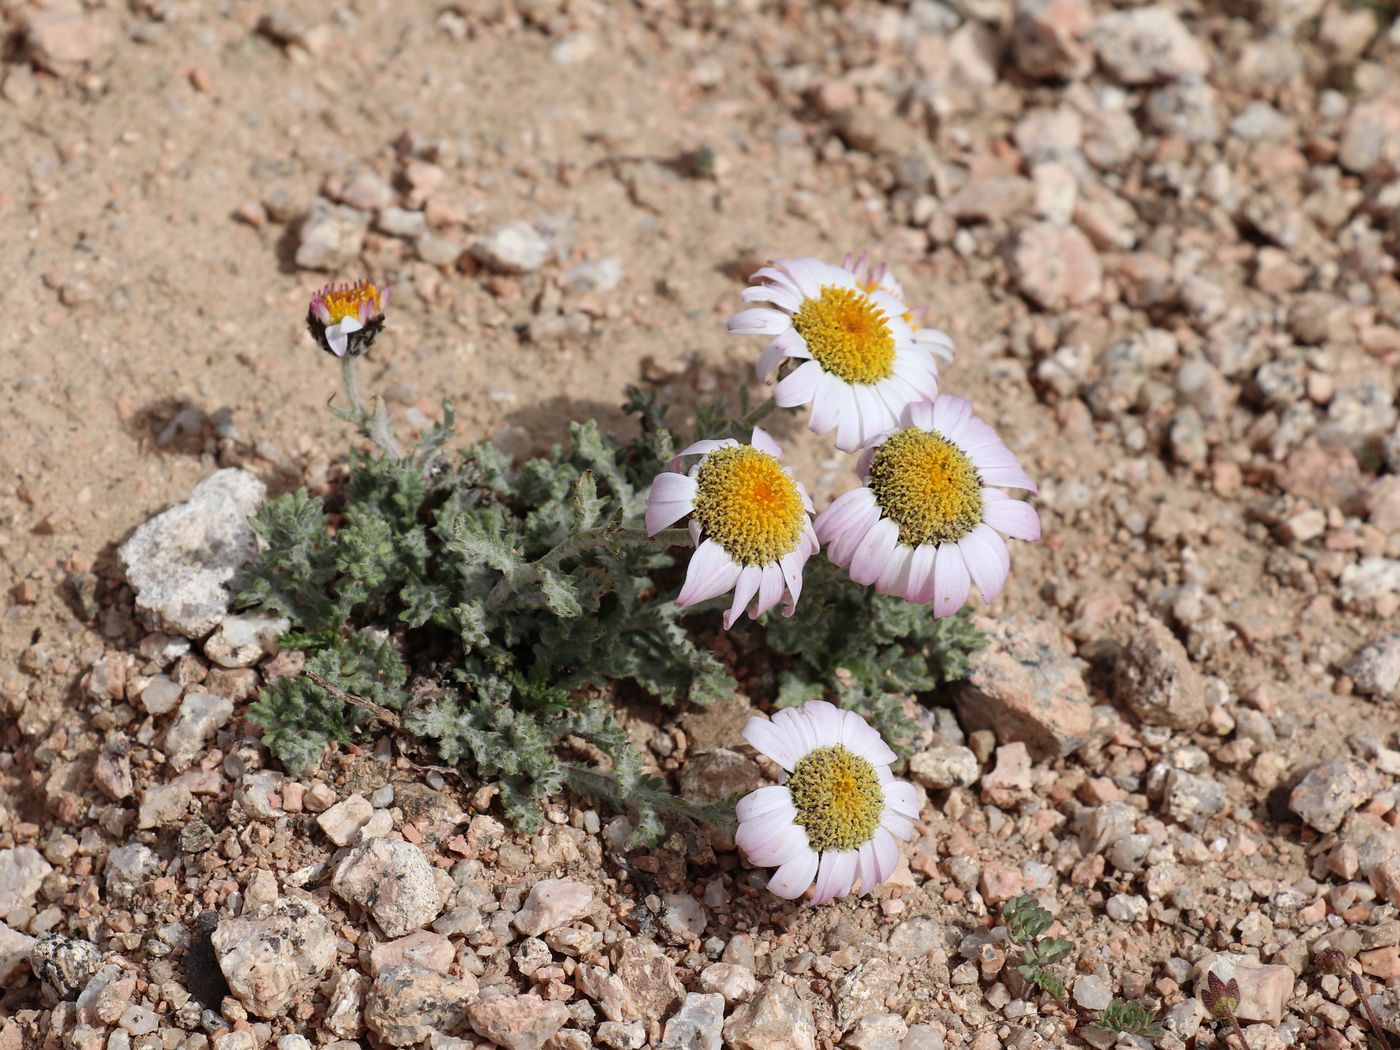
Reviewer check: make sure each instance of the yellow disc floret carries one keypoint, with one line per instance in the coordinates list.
(927, 486)
(346, 300)
(848, 334)
(838, 798)
(746, 502)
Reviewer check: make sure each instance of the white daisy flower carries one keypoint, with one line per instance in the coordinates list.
(859, 361)
(749, 520)
(928, 522)
(872, 277)
(836, 820)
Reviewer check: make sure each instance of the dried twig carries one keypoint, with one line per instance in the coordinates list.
(382, 713)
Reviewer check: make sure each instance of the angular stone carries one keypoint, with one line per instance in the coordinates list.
(243, 639)
(650, 979)
(393, 881)
(343, 821)
(553, 903)
(331, 236)
(431, 951)
(270, 958)
(1264, 990)
(515, 248)
(15, 947)
(163, 804)
(776, 1019)
(1024, 687)
(201, 716)
(1330, 792)
(1055, 267)
(683, 917)
(1047, 38)
(735, 983)
(863, 991)
(697, 1025)
(1375, 670)
(408, 1004)
(992, 199)
(128, 868)
(880, 1031)
(344, 1012)
(22, 871)
(517, 1022)
(944, 767)
(1371, 138)
(64, 965)
(1149, 45)
(1154, 679)
(180, 562)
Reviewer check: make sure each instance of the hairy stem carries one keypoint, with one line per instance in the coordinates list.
(1376, 1026)
(374, 426)
(754, 416)
(1239, 1032)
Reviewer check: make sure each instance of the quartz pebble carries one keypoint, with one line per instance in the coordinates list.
(271, 957)
(513, 249)
(517, 1022)
(553, 903)
(776, 1019)
(343, 821)
(393, 881)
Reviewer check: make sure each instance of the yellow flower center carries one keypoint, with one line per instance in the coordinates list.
(927, 486)
(848, 334)
(747, 503)
(345, 302)
(838, 798)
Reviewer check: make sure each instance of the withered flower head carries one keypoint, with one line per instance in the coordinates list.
(1333, 961)
(345, 318)
(1221, 998)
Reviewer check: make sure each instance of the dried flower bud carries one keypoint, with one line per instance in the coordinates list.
(1221, 998)
(344, 319)
(1333, 961)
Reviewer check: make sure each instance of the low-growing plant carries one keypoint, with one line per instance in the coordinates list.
(495, 614)
(1122, 1016)
(1025, 921)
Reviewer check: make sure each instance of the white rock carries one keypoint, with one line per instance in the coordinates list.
(161, 695)
(553, 903)
(201, 716)
(180, 562)
(393, 881)
(343, 821)
(1148, 45)
(128, 868)
(516, 248)
(272, 957)
(22, 871)
(163, 804)
(331, 236)
(244, 639)
(14, 953)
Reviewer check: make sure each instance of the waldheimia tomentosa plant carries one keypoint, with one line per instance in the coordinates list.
(495, 614)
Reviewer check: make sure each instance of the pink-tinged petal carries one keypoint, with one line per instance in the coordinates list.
(798, 387)
(711, 572)
(1015, 517)
(777, 742)
(783, 298)
(951, 581)
(770, 590)
(763, 441)
(895, 577)
(950, 413)
(669, 486)
(987, 560)
(1009, 477)
(827, 403)
(972, 434)
(663, 515)
(865, 740)
(893, 307)
(792, 879)
(920, 587)
(791, 567)
(744, 589)
(851, 432)
(771, 274)
(835, 876)
(990, 457)
(843, 548)
(852, 505)
(759, 320)
(886, 851)
(320, 311)
(897, 824)
(874, 552)
(868, 452)
(868, 869)
(789, 344)
(771, 799)
(699, 448)
(902, 797)
(825, 718)
(770, 841)
(920, 414)
(792, 721)
(806, 273)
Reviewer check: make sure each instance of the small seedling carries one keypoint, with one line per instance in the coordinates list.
(1334, 961)
(1221, 1000)
(1026, 920)
(1132, 1018)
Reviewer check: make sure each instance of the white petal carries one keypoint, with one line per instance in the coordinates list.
(987, 560)
(874, 552)
(951, 581)
(949, 412)
(902, 797)
(799, 386)
(806, 273)
(770, 840)
(835, 876)
(886, 851)
(711, 572)
(773, 798)
(338, 335)
(841, 549)
(827, 402)
(868, 868)
(894, 579)
(770, 590)
(897, 824)
(1010, 477)
(783, 298)
(763, 441)
(865, 740)
(792, 566)
(850, 433)
(826, 720)
(920, 586)
(792, 721)
(760, 320)
(851, 506)
(792, 879)
(1015, 517)
(776, 742)
(663, 515)
(744, 590)
(698, 448)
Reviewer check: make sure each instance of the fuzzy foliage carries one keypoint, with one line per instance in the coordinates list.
(1133, 1018)
(1025, 921)
(483, 607)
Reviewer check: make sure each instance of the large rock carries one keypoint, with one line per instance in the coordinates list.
(1154, 679)
(1264, 990)
(1024, 687)
(268, 959)
(1055, 267)
(697, 1025)
(408, 1004)
(775, 1019)
(1150, 45)
(517, 1022)
(1376, 669)
(201, 716)
(22, 872)
(393, 881)
(1326, 795)
(553, 903)
(180, 562)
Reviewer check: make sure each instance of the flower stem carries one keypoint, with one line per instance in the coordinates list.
(374, 426)
(754, 415)
(578, 543)
(1360, 989)
(1238, 1031)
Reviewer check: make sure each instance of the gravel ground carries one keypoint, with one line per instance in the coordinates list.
(1164, 239)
